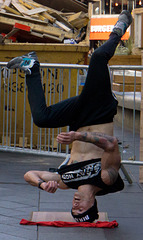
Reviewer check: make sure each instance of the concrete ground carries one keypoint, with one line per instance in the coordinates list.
(18, 200)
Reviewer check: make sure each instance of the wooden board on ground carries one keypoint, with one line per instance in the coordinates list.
(60, 216)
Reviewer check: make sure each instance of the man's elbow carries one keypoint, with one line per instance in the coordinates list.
(112, 145)
(27, 176)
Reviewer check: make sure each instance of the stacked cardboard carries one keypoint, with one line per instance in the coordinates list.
(29, 21)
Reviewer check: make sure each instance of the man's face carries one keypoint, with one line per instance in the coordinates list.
(81, 203)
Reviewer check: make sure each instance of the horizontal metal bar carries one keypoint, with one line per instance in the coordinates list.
(55, 65)
(31, 151)
(77, 66)
(65, 66)
(126, 67)
(132, 162)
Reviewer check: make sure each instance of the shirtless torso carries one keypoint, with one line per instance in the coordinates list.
(82, 151)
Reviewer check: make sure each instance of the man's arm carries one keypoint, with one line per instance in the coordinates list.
(99, 139)
(51, 181)
(110, 161)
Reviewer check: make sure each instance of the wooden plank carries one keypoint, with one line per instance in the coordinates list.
(19, 7)
(137, 11)
(1, 5)
(11, 10)
(4, 3)
(26, 7)
(32, 8)
(7, 3)
(23, 141)
(11, 16)
(128, 79)
(79, 20)
(61, 19)
(6, 141)
(76, 16)
(48, 16)
(16, 28)
(39, 35)
(58, 39)
(81, 23)
(127, 88)
(35, 4)
(35, 27)
(26, 4)
(61, 216)
(11, 33)
(39, 16)
(35, 11)
(62, 26)
(67, 14)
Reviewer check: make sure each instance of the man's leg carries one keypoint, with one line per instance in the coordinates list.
(90, 107)
(57, 115)
(98, 79)
(96, 97)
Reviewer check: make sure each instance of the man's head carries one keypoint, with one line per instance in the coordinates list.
(84, 209)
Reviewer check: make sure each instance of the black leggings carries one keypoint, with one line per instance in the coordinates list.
(95, 104)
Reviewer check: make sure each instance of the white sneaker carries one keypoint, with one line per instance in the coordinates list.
(24, 62)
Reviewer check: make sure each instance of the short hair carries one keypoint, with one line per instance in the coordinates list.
(88, 216)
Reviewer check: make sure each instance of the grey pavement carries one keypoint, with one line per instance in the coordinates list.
(18, 200)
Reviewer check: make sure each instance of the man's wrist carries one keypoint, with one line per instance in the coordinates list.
(77, 136)
(39, 184)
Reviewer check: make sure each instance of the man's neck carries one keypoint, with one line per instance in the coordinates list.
(89, 191)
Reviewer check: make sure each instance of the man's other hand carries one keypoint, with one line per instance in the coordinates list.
(50, 186)
(66, 137)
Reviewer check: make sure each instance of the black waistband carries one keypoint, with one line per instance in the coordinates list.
(77, 165)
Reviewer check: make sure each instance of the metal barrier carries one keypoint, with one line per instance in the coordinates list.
(130, 101)
(60, 81)
(17, 131)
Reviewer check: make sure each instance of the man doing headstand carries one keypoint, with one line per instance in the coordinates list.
(92, 111)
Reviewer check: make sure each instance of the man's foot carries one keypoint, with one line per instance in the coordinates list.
(124, 21)
(25, 62)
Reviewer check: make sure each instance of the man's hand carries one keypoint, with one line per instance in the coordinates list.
(66, 137)
(50, 186)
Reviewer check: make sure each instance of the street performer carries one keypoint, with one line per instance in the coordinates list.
(90, 118)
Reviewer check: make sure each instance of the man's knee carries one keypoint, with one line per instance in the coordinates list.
(98, 54)
(42, 121)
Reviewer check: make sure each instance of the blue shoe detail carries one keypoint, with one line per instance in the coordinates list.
(25, 62)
